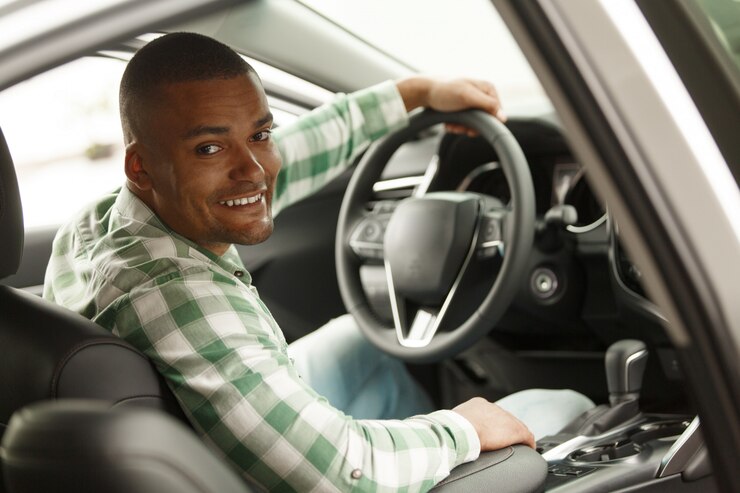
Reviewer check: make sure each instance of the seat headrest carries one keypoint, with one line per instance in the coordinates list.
(11, 214)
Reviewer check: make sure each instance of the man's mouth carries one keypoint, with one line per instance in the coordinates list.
(242, 200)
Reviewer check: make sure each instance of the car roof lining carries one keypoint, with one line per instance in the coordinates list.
(250, 29)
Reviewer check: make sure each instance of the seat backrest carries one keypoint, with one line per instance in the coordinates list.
(48, 352)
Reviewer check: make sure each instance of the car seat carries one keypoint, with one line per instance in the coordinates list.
(82, 446)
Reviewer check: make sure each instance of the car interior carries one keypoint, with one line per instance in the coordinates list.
(574, 315)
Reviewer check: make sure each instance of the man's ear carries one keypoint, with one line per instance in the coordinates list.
(134, 168)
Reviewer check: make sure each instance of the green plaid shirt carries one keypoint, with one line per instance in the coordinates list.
(202, 323)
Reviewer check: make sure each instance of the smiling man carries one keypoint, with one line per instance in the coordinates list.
(204, 159)
(154, 263)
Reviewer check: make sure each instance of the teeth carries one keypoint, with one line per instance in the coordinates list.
(242, 201)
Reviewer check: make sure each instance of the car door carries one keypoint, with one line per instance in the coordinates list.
(649, 98)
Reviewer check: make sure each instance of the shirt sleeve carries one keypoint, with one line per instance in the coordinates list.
(321, 144)
(221, 353)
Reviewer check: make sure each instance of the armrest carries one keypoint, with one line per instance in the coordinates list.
(517, 469)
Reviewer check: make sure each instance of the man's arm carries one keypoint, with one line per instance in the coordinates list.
(221, 354)
(323, 143)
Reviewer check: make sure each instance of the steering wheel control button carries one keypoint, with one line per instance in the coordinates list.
(367, 238)
(490, 238)
(544, 283)
(372, 231)
(491, 229)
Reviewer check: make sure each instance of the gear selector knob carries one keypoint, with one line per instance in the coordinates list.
(625, 364)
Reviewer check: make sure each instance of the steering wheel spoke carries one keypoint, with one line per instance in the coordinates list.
(429, 175)
(421, 330)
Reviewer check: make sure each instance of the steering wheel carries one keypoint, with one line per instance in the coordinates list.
(427, 242)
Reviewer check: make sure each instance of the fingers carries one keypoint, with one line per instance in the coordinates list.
(455, 128)
(527, 436)
(519, 432)
(463, 94)
(496, 427)
(451, 95)
(482, 94)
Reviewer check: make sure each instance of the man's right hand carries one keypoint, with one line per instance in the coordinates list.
(496, 428)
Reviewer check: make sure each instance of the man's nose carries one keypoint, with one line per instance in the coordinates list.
(246, 166)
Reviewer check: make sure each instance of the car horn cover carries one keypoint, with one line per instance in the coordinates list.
(426, 242)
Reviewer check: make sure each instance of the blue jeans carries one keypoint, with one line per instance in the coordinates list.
(363, 382)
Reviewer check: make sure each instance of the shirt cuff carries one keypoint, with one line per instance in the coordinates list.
(382, 108)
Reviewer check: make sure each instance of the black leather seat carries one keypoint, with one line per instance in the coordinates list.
(79, 446)
(47, 352)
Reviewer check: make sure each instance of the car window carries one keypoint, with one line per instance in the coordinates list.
(461, 38)
(63, 131)
(65, 136)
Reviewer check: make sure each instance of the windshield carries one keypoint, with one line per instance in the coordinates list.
(461, 38)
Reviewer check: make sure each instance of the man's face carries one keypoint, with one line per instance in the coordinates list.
(210, 161)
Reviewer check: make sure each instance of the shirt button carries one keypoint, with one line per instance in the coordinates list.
(356, 474)
(239, 273)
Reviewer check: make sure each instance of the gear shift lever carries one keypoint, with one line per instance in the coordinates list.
(625, 364)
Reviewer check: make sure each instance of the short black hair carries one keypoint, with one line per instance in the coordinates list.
(174, 57)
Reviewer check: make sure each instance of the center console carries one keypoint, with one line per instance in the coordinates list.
(649, 449)
(609, 448)
(614, 446)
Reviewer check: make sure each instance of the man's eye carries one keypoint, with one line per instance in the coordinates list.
(207, 150)
(261, 136)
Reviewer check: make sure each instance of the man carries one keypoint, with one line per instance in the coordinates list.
(154, 263)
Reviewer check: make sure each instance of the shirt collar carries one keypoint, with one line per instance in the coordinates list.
(132, 207)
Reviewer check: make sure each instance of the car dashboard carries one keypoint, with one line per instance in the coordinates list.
(581, 291)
